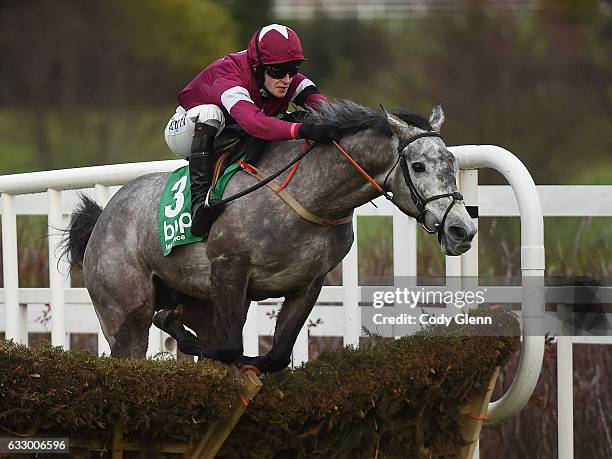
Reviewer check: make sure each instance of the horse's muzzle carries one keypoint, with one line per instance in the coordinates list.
(458, 236)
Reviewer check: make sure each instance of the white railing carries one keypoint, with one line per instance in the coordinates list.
(389, 9)
(343, 318)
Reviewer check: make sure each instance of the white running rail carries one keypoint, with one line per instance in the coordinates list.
(338, 320)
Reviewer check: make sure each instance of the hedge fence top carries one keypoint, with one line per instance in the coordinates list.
(386, 396)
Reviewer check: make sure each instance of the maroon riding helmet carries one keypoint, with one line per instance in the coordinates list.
(272, 45)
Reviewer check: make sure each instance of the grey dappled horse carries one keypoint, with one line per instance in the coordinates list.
(259, 247)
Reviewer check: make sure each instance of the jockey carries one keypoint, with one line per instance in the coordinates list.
(250, 88)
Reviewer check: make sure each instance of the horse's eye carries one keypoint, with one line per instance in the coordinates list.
(418, 167)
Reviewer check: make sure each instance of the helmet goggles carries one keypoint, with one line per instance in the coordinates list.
(278, 71)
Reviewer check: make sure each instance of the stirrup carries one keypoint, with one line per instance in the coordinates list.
(207, 200)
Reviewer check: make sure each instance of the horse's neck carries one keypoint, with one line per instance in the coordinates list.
(328, 185)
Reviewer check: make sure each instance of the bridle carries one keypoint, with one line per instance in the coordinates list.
(431, 226)
(417, 198)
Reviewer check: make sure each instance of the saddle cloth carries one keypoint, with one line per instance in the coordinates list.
(174, 213)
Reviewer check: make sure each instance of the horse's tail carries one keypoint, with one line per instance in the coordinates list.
(79, 231)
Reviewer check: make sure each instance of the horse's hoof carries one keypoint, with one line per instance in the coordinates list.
(162, 319)
(246, 367)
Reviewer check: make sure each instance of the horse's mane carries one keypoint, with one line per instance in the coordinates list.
(348, 117)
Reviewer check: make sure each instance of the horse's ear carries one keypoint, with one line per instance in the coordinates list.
(437, 117)
(398, 127)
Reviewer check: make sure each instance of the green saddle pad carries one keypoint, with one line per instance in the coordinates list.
(174, 215)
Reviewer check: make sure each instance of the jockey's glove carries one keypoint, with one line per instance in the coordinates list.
(321, 133)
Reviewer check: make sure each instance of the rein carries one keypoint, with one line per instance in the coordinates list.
(417, 198)
(361, 170)
(265, 181)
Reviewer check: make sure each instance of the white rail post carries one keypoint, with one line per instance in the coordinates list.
(565, 385)
(299, 354)
(404, 250)
(102, 194)
(250, 332)
(404, 245)
(453, 281)
(453, 270)
(468, 185)
(350, 294)
(64, 265)
(155, 344)
(102, 197)
(16, 314)
(56, 279)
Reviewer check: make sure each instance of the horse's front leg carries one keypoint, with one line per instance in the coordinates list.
(228, 284)
(291, 318)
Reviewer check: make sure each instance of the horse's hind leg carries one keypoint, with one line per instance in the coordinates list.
(123, 300)
(218, 320)
(171, 319)
(172, 322)
(132, 339)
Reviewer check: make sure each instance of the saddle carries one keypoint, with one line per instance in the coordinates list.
(235, 144)
(236, 151)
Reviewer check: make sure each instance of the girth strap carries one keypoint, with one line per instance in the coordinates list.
(289, 199)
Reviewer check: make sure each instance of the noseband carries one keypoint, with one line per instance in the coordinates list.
(417, 198)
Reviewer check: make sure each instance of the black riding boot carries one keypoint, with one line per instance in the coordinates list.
(201, 162)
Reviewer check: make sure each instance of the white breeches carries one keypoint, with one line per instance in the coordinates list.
(179, 130)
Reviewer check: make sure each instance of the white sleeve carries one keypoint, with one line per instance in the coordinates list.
(303, 85)
(232, 96)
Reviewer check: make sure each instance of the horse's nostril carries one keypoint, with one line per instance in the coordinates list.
(458, 233)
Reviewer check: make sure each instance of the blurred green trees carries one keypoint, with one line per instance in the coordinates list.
(90, 54)
(539, 84)
(86, 82)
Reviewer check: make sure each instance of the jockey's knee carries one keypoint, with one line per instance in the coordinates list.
(180, 128)
(208, 114)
